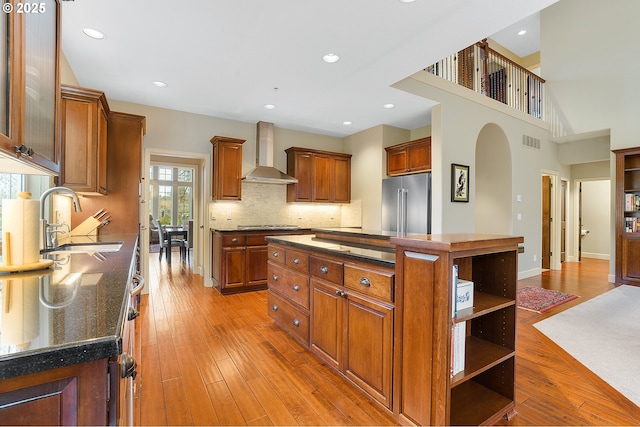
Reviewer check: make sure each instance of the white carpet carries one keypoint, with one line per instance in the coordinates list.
(603, 333)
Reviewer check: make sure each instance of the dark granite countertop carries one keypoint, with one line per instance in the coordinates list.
(379, 256)
(257, 230)
(69, 313)
(353, 231)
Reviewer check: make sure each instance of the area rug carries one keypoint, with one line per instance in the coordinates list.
(540, 300)
(603, 334)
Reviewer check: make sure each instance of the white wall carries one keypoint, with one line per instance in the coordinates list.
(589, 61)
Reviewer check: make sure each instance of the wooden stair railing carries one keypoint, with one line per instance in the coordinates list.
(484, 70)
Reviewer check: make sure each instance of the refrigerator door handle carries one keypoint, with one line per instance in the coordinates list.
(399, 210)
(403, 211)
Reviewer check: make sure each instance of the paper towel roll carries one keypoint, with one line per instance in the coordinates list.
(21, 219)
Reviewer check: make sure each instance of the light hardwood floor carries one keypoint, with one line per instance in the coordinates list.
(208, 359)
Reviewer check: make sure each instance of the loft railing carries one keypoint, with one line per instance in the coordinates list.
(484, 70)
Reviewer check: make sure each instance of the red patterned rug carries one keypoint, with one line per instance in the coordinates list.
(540, 299)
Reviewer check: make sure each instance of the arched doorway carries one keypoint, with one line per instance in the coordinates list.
(493, 188)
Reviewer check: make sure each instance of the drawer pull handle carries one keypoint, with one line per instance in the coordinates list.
(276, 254)
(296, 288)
(296, 322)
(296, 260)
(275, 307)
(365, 281)
(275, 277)
(341, 293)
(324, 269)
(234, 240)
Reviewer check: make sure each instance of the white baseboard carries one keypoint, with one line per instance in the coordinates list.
(529, 273)
(594, 255)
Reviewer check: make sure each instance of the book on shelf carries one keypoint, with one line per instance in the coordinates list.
(631, 202)
(458, 347)
(631, 224)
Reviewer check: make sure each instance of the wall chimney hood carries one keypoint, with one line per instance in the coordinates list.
(265, 172)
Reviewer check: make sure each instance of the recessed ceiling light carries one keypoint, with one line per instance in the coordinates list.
(269, 106)
(407, 1)
(158, 83)
(389, 105)
(522, 32)
(93, 33)
(347, 123)
(330, 58)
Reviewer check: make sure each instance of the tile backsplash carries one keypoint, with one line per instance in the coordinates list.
(267, 204)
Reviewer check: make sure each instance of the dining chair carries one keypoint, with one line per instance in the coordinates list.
(175, 241)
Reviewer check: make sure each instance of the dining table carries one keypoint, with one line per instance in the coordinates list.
(173, 232)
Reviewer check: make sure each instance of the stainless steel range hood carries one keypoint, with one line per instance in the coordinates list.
(265, 172)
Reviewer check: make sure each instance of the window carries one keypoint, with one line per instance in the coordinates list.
(171, 190)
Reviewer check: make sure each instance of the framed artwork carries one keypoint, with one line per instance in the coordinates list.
(459, 183)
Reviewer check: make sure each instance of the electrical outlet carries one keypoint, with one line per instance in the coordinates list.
(519, 216)
(535, 258)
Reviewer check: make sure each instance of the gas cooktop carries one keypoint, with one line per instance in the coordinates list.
(268, 227)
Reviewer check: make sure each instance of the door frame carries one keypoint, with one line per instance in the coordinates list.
(555, 213)
(201, 198)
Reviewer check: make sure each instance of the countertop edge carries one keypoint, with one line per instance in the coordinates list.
(60, 357)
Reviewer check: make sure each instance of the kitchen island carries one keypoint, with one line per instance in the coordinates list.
(337, 299)
(63, 331)
(378, 309)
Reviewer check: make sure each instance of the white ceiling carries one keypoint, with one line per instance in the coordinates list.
(225, 58)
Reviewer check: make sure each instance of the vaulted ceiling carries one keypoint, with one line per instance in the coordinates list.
(230, 58)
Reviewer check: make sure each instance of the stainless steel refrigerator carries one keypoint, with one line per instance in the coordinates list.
(406, 204)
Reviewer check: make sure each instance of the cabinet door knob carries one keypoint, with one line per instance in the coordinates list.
(296, 260)
(275, 307)
(234, 240)
(324, 269)
(365, 281)
(296, 322)
(276, 254)
(275, 277)
(296, 288)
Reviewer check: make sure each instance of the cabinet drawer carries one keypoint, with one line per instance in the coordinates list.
(291, 319)
(290, 284)
(298, 260)
(374, 283)
(326, 269)
(234, 239)
(256, 239)
(276, 253)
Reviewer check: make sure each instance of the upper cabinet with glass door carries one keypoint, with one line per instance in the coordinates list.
(29, 83)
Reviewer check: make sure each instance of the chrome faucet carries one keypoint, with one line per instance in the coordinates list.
(46, 237)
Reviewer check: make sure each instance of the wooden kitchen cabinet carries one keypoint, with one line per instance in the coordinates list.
(323, 176)
(227, 168)
(483, 393)
(409, 157)
(29, 67)
(57, 397)
(239, 260)
(342, 311)
(352, 331)
(83, 135)
(628, 216)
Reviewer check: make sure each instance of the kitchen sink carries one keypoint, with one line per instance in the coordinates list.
(71, 248)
